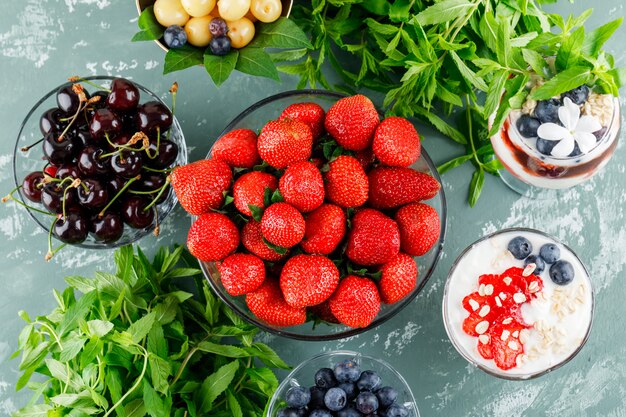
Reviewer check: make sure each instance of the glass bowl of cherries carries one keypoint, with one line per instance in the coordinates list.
(92, 161)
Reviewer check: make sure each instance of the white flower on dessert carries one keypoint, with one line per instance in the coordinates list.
(575, 130)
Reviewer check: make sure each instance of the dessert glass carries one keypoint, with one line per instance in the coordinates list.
(560, 317)
(26, 162)
(254, 118)
(303, 375)
(540, 175)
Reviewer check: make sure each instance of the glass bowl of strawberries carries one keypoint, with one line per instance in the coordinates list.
(315, 217)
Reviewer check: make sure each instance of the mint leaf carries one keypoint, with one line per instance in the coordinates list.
(77, 312)
(150, 27)
(140, 329)
(267, 355)
(233, 404)
(441, 125)
(153, 403)
(223, 350)
(453, 163)
(281, 34)
(536, 61)
(160, 370)
(443, 11)
(469, 75)
(476, 186)
(220, 67)
(595, 39)
(99, 328)
(496, 89)
(564, 81)
(263, 378)
(214, 385)
(181, 58)
(256, 61)
(383, 29)
(570, 49)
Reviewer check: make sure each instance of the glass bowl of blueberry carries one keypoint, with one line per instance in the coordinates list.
(343, 384)
(92, 159)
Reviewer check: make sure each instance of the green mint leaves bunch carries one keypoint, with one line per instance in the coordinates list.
(432, 58)
(253, 59)
(138, 343)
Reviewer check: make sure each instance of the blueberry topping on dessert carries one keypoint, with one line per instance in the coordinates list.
(578, 95)
(175, 36)
(562, 272)
(550, 253)
(547, 111)
(520, 247)
(528, 125)
(540, 265)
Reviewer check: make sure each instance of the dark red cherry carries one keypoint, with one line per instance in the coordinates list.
(134, 214)
(128, 122)
(67, 100)
(32, 186)
(91, 162)
(149, 181)
(72, 228)
(124, 95)
(58, 151)
(121, 139)
(100, 104)
(105, 121)
(126, 164)
(67, 170)
(167, 154)
(82, 138)
(51, 120)
(151, 115)
(115, 184)
(53, 194)
(93, 195)
(107, 229)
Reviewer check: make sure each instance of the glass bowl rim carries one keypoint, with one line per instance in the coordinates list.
(353, 354)
(461, 350)
(36, 106)
(400, 305)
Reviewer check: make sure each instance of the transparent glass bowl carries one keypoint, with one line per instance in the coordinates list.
(26, 162)
(255, 118)
(471, 358)
(303, 375)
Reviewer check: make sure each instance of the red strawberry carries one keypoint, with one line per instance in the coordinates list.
(282, 225)
(325, 228)
(396, 142)
(242, 273)
(212, 237)
(352, 122)
(237, 148)
(308, 280)
(322, 311)
(268, 304)
(419, 228)
(285, 142)
(200, 185)
(310, 113)
(356, 302)
(399, 278)
(346, 182)
(252, 239)
(302, 186)
(249, 189)
(392, 187)
(374, 238)
(505, 347)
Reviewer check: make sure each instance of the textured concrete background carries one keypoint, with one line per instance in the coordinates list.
(44, 41)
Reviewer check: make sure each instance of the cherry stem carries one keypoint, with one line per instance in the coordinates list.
(21, 203)
(27, 148)
(157, 227)
(52, 252)
(161, 191)
(174, 91)
(119, 193)
(144, 192)
(104, 155)
(81, 106)
(157, 144)
(158, 170)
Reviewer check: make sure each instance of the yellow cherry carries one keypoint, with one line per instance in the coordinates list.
(266, 10)
(233, 9)
(198, 8)
(240, 32)
(197, 29)
(170, 12)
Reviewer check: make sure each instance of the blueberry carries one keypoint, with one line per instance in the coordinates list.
(386, 396)
(366, 402)
(218, 27)
(298, 397)
(325, 378)
(562, 272)
(395, 410)
(335, 399)
(291, 412)
(347, 371)
(550, 253)
(520, 247)
(320, 413)
(317, 397)
(575, 152)
(350, 389)
(175, 36)
(369, 380)
(599, 134)
(547, 111)
(220, 45)
(349, 411)
(578, 95)
(528, 125)
(545, 146)
(540, 265)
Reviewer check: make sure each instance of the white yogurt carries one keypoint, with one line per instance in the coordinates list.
(560, 316)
